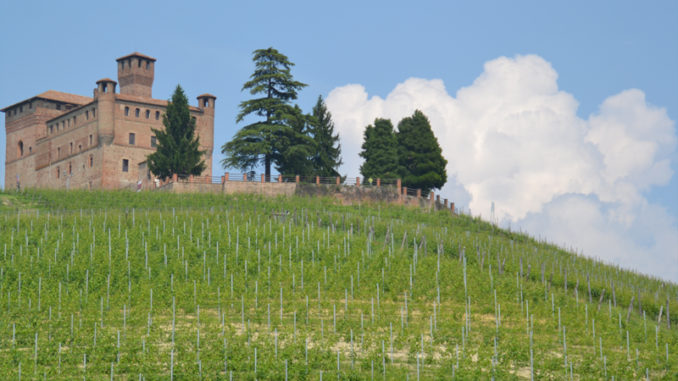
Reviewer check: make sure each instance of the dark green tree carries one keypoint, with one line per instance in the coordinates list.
(380, 151)
(420, 161)
(327, 156)
(260, 142)
(178, 149)
(296, 158)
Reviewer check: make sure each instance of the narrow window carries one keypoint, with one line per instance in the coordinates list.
(58, 152)
(86, 115)
(138, 63)
(30, 106)
(51, 128)
(91, 161)
(70, 168)
(94, 113)
(148, 65)
(30, 150)
(79, 147)
(136, 112)
(58, 172)
(20, 148)
(154, 141)
(75, 120)
(132, 138)
(126, 111)
(148, 114)
(71, 147)
(125, 165)
(157, 115)
(90, 139)
(21, 108)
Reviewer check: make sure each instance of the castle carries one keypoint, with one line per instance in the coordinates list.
(61, 140)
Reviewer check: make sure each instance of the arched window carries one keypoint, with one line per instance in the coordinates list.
(136, 112)
(148, 114)
(157, 115)
(126, 111)
(20, 148)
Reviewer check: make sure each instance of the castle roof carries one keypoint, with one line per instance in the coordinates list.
(56, 96)
(206, 95)
(136, 54)
(149, 101)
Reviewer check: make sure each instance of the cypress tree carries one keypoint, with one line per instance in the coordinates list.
(327, 156)
(420, 161)
(380, 151)
(178, 145)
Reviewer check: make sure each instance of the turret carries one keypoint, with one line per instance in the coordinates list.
(135, 74)
(205, 128)
(104, 95)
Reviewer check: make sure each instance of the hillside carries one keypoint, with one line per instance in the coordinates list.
(147, 285)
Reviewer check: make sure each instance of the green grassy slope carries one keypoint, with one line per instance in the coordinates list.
(153, 286)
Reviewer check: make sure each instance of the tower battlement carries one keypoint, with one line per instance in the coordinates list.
(135, 74)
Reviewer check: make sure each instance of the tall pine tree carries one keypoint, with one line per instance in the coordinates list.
(420, 161)
(380, 151)
(178, 145)
(260, 142)
(327, 156)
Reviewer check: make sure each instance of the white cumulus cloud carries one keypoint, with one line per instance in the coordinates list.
(513, 138)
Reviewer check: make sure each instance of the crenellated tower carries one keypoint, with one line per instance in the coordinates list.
(135, 74)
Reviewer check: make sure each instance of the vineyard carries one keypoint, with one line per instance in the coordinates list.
(144, 286)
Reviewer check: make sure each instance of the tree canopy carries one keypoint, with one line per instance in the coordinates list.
(262, 142)
(420, 161)
(177, 144)
(327, 156)
(380, 151)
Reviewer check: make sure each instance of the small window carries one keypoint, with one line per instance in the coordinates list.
(90, 139)
(30, 149)
(126, 111)
(70, 168)
(71, 147)
(157, 115)
(58, 172)
(68, 122)
(30, 106)
(58, 152)
(86, 115)
(138, 63)
(136, 112)
(79, 147)
(94, 113)
(154, 141)
(91, 161)
(148, 65)
(20, 148)
(21, 108)
(75, 120)
(132, 138)
(58, 106)
(51, 128)
(125, 165)
(148, 114)
(63, 124)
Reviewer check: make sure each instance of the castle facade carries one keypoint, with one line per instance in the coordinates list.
(61, 140)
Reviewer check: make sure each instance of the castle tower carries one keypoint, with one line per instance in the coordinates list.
(135, 74)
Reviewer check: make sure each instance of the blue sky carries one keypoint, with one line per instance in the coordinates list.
(595, 51)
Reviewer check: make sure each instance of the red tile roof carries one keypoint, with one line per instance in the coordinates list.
(136, 54)
(56, 96)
